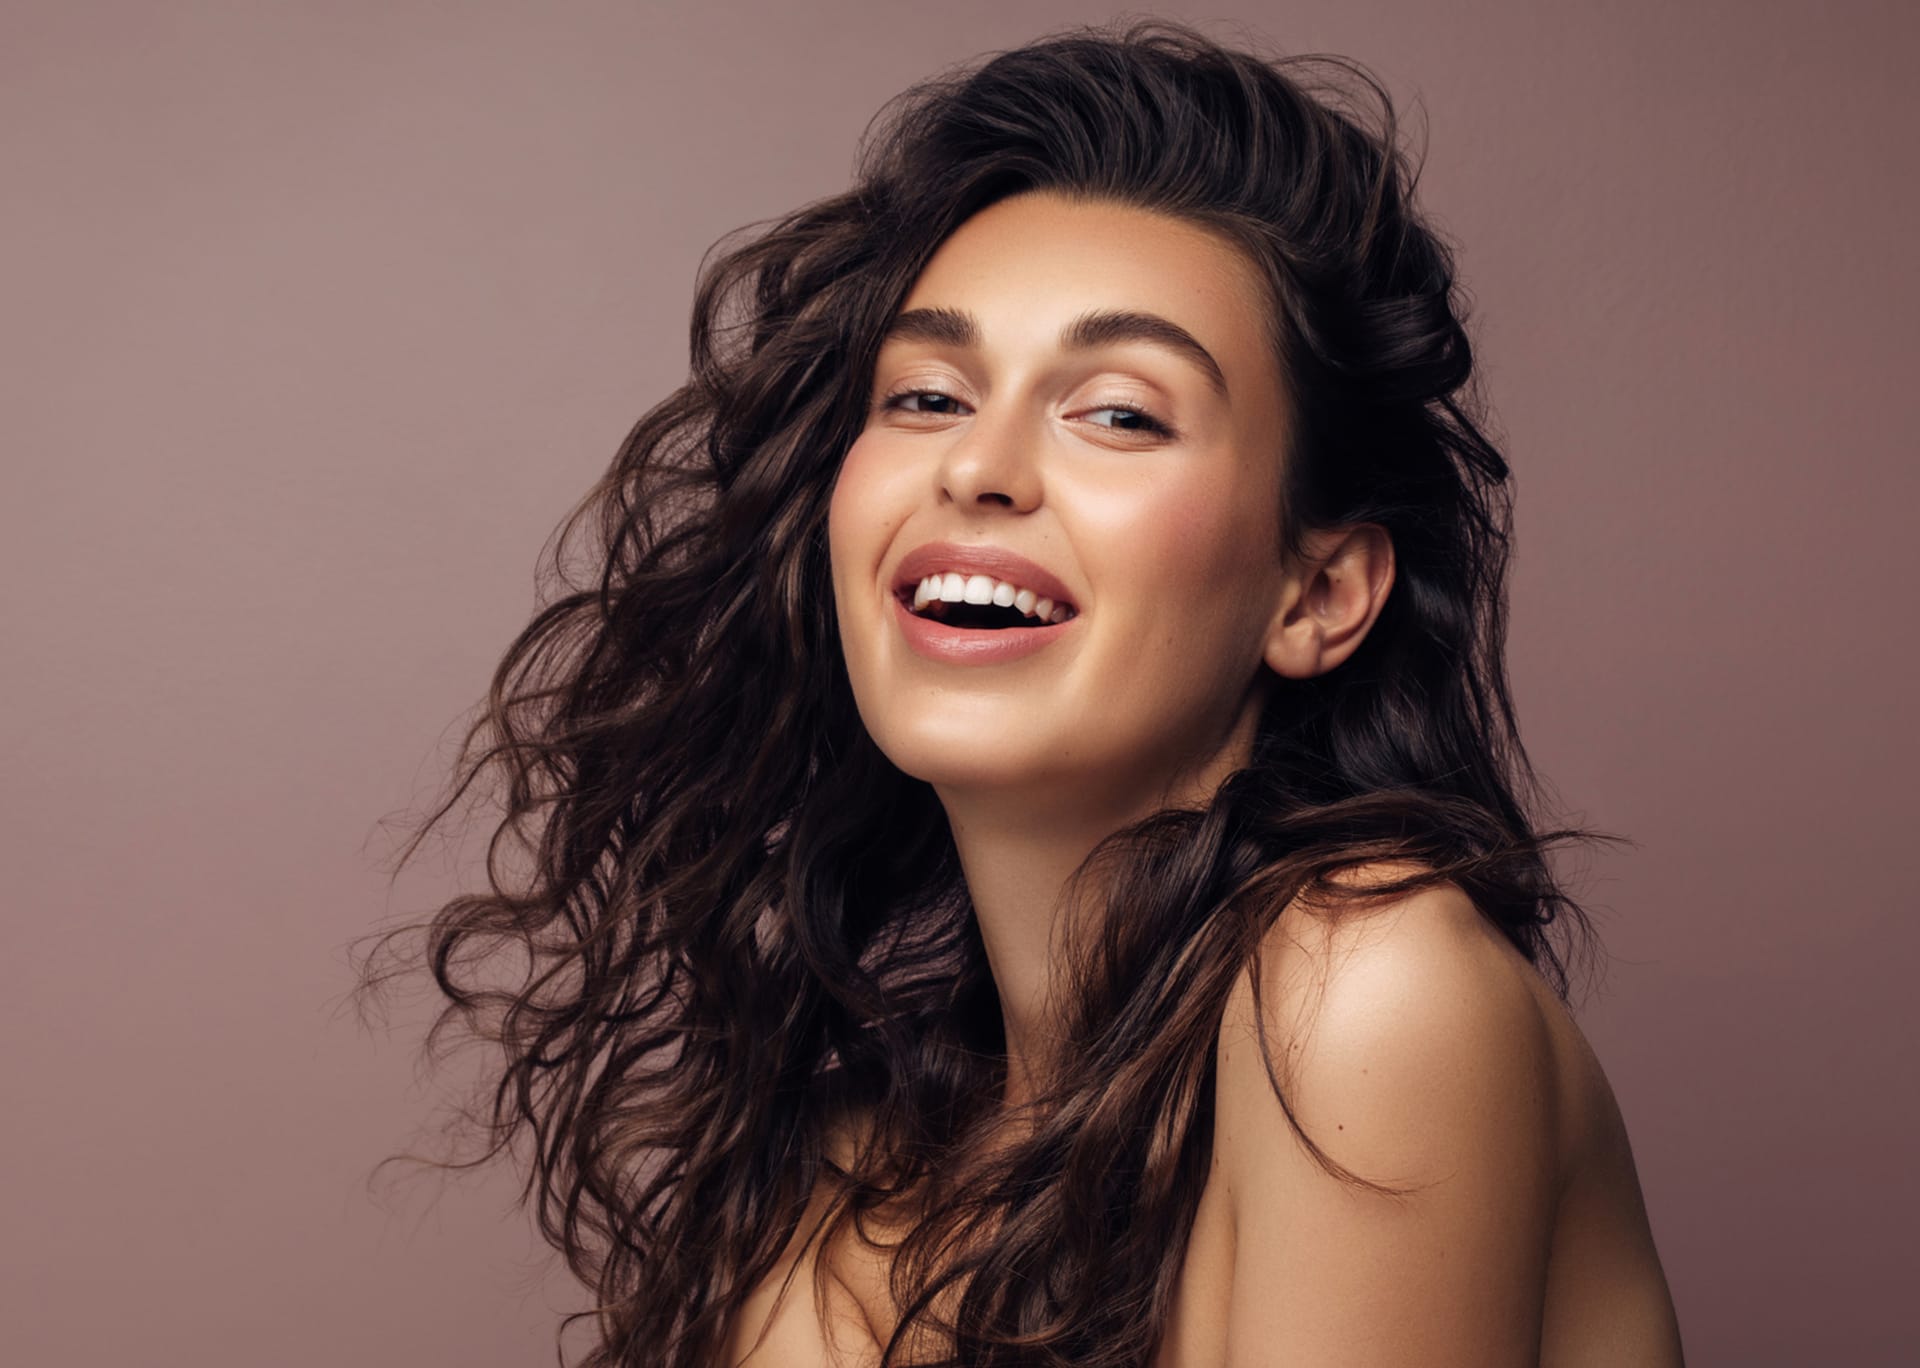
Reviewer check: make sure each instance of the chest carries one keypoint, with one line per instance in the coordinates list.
(1196, 1330)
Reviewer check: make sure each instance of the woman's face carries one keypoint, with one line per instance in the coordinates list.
(1077, 403)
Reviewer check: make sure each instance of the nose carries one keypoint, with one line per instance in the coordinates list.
(992, 462)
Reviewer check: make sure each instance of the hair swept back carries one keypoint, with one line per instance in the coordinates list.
(731, 917)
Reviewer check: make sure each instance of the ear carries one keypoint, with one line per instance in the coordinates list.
(1329, 599)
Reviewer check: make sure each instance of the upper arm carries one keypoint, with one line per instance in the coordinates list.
(1414, 1055)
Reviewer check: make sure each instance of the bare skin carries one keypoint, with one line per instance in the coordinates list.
(1415, 1045)
(1347, 1277)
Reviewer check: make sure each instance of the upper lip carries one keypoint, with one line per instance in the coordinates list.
(963, 559)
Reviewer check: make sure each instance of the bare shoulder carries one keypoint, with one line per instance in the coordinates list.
(1411, 1048)
(1369, 1015)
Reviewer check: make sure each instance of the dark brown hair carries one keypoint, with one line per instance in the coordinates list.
(718, 917)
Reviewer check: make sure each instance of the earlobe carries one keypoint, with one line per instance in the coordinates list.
(1330, 600)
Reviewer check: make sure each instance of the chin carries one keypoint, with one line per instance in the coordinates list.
(961, 759)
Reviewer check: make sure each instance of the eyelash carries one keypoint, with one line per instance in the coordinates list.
(1150, 425)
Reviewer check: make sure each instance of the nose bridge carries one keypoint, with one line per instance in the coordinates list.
(994, 458)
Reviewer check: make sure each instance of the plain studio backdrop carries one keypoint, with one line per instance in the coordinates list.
(318, 317)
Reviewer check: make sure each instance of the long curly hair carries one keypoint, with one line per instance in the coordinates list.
(717, 917)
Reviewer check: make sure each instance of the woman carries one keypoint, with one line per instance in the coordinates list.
(1028, 854)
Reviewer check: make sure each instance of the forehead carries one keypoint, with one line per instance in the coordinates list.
(1026, 264)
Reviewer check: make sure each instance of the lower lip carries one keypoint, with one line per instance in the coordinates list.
(973, 645)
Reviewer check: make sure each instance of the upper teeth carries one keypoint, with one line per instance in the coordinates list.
(957, 588)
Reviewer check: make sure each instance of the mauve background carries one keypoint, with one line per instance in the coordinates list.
(318, 317)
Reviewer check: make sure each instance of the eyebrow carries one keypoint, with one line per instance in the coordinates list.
(1096, 328)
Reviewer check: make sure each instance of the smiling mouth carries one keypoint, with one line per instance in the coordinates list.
(984, 617)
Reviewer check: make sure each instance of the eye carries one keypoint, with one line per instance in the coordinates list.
(939, 404)
(1135, 420)
(902, 401)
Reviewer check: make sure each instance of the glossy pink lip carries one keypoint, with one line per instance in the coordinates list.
(959, 558)
(971, 645)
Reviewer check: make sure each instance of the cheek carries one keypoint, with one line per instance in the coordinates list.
(864, 512)
(849, 512)
(1204, 550)
(866, 480)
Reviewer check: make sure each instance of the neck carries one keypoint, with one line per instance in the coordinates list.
(1017, 855)
(1017, 872)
